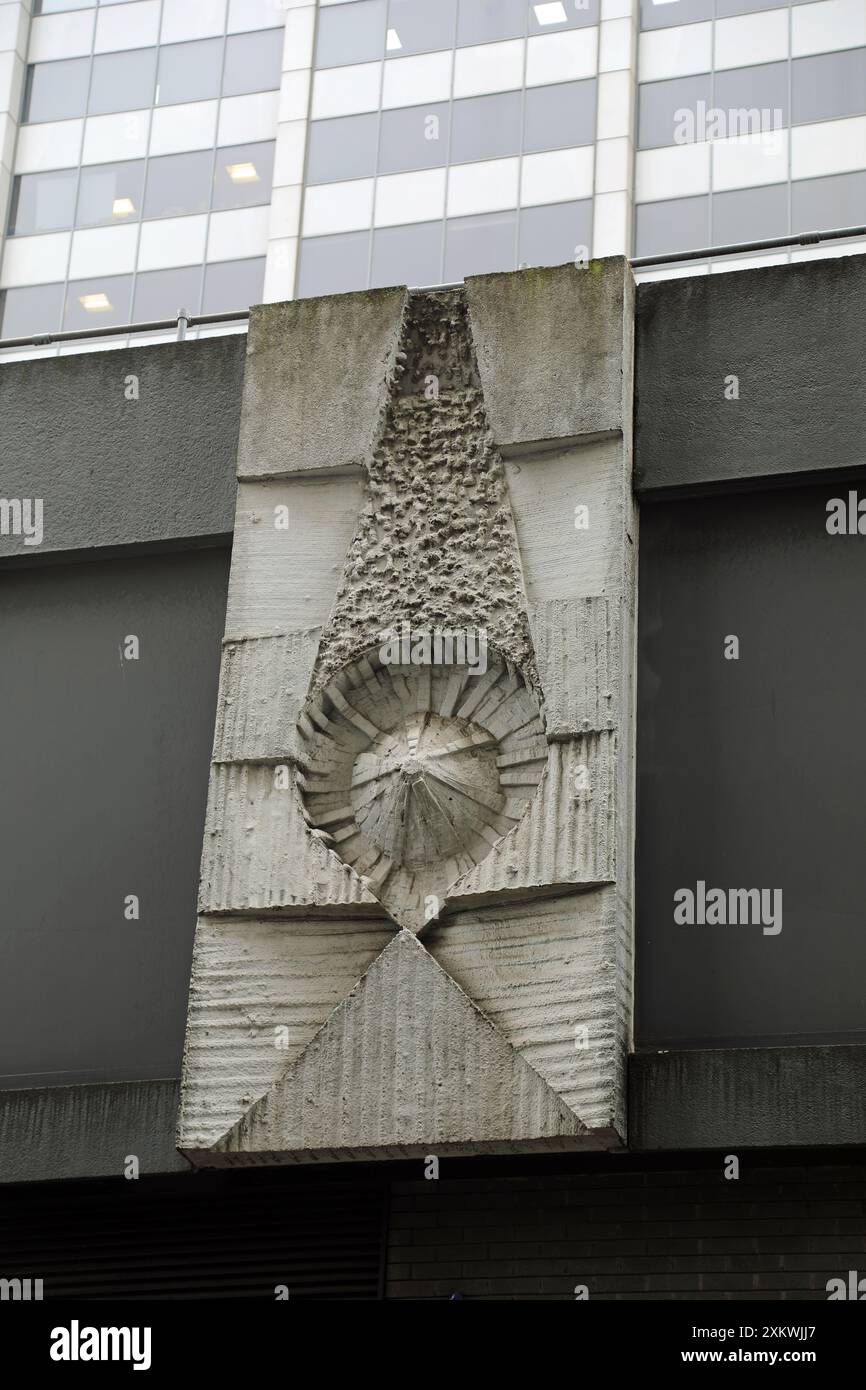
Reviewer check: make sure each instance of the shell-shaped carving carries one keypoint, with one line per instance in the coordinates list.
(411, 773)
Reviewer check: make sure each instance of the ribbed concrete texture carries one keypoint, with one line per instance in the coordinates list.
(566, 837)
(548, 981)
(260, 992)
(578, 658)
(425, 718)
(406, 1061)
(263, 684)
(259, 853)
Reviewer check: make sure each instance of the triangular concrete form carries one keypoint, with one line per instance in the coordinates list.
(407, 1063)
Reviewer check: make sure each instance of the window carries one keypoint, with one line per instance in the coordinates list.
(122, 81)
(33, 309)
(56, 91)
(189, 72)
(56, 6)
(479, 245)
(42, 202)
(342, 148)
(417, 26)
(334, 264)
(160, 294)
(178, 184)
(243, 175)
(98, 303)
(110, 194)
(407, 255)
(253, 62)
(414, 137)
(352, 33)
(486, 127)
(233, 285)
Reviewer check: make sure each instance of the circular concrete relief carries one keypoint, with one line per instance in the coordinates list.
(411, 773)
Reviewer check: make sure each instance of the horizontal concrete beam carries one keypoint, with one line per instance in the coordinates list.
(120, 447)
(751, 375)
(747, 1097)
(88, 1131)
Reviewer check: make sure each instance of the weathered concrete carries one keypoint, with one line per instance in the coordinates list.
(260, 992)
(577, 651)
(544, 977)
(111, 469)
(263, 684)
(328, 361)
(284, 576)
(554, 351)
(413, 1062)
(795, 338)
(88, 1131)
(732, 1098)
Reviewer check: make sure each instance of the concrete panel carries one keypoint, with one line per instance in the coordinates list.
(260, 992)
(554, 348)
(569, 553)
(125, 446)
(413, 1062)
(263, 685)
(260, 855)
(329, 363)
(579, 659)
(285, 579)
(567, 835)
(795, 338)
(543, 973)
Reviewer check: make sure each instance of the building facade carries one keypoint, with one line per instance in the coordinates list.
(211, 154)
(542, 980)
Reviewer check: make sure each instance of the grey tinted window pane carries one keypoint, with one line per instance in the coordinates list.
(56, 91)
(564, 14)
(414, 137)
(160, 294)
(43, 202)
(253, 62)
(351, 33)
(656, 15)
(122, 81)
(98, 303)
(486, 127)
(110, 194)
(749, 214)
(663, 106)
(559, 116)
(486, 21)
(759, 94)
(178, 184)
(476, 245)
(34, 309)
(343, 148)
(233, 285)
(817, 205)
(243, 175)
(829, 85)
(552, 235)
(680, 224)
(407, 255)
(334, 264)
(725, 8)
(420, 26)
(189, 71)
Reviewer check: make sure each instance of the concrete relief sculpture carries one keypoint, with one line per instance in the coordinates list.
(415, 929)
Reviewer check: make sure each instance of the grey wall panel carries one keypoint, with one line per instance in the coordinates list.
(794, 336)
(751, 771)
(102, 795)
(112, 469)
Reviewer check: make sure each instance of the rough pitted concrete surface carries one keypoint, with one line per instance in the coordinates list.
(412, 1060)
(249, 979)
(539, 975)
(435, 544)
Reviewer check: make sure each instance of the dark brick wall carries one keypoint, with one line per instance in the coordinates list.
(629, 1231)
